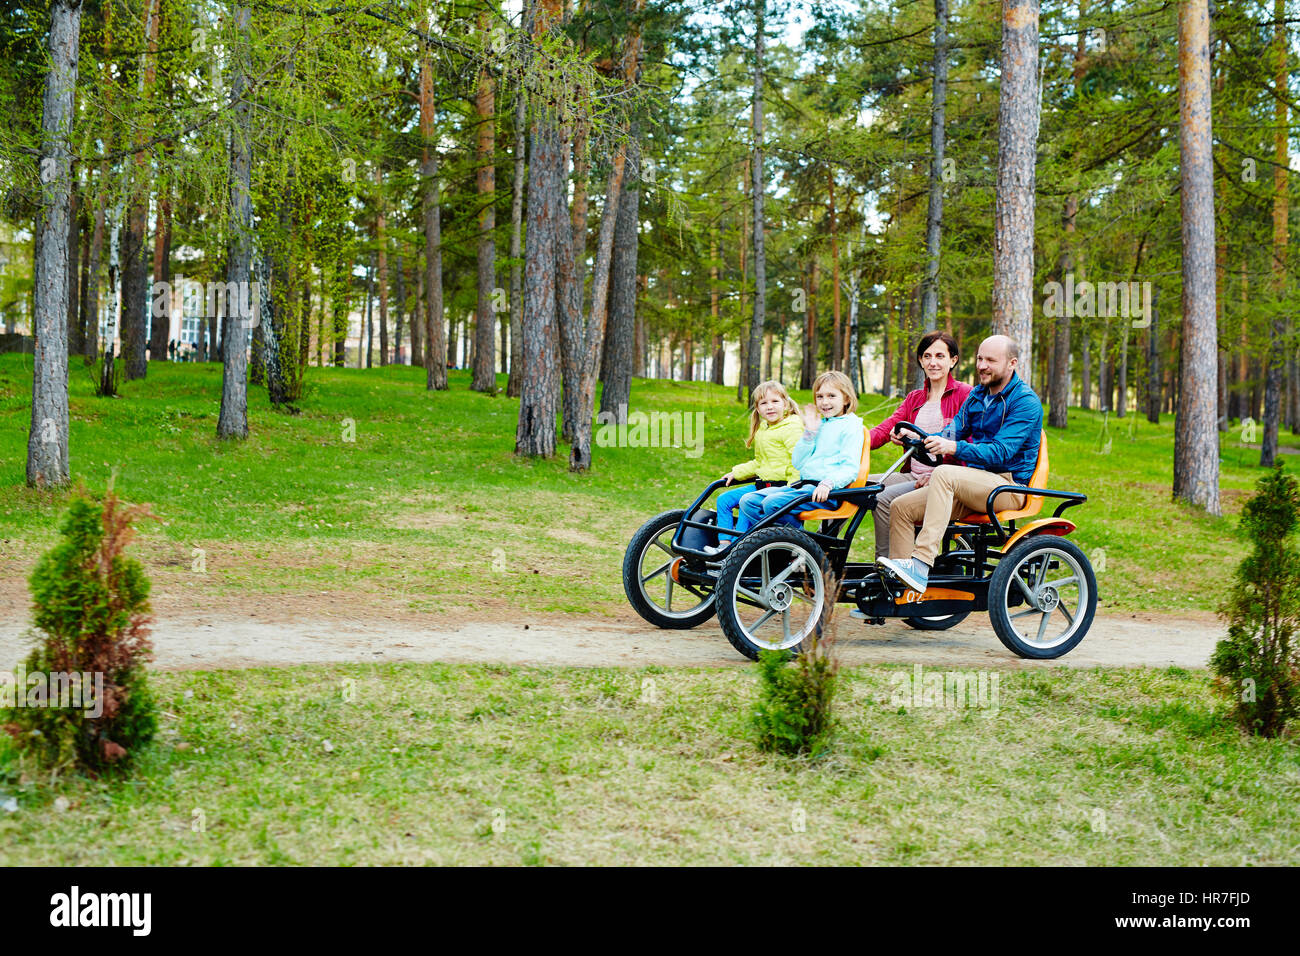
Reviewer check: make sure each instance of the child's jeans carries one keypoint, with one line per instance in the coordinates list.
(731, 499)
(727, 500)
(757, 504)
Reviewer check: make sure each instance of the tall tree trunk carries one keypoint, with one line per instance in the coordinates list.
(719, 344)
(485, 379)
(1277, 351)
(1153, 360)
(760, 256)
(621, 339)
(83, 289)
(304, 328)
(854, 373)
(1085, 370)
(808, 361)
(837, 350)
(90, 301)
(1059, 413)
(135, 277)
(1242, 390)
(108, 370)
(742, 344)
(435, 363)
(1220, 270)
(381, 224)
(1196, 436)
(573, 276)
(1059, 372)
(417, 314)
(934, 215)
(515, 383)
(399, 303)
(1121, 402)
(47, 442)
(370, 328)
(272, 324)
(1013, 236)
(594, 331)
(134, 291)
(74, 280)
(342, 306)
(886, 374)
(538, 398)
(256, 354)
(233, 419)
(160, 333)
(640, 350)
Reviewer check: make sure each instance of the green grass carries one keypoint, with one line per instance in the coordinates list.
(588, 766)
(429, 508)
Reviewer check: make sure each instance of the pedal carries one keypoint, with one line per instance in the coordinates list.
(858, 615)
(892, 585)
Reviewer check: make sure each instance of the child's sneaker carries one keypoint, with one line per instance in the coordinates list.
(717, 549)
(908, 570)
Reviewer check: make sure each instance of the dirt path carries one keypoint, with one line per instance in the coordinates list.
(229, 639)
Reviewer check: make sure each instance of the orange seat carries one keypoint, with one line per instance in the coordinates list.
(846, 510)
(1033, 503)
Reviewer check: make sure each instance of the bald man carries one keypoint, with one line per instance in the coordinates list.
(996, 432)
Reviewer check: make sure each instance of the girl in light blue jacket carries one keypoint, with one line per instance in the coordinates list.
(830, 452)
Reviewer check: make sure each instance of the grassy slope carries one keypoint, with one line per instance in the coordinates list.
(579, 766)
(429, 508)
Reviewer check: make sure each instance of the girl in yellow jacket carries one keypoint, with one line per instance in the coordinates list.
(774, 430)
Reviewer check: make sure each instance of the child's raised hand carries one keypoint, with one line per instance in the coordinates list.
(811, 420)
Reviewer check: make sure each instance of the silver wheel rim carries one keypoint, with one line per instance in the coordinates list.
(778, 603)
(1054, 593)
(668, 597)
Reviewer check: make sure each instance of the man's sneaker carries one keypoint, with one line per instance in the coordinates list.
(718, 549)
(908, 570)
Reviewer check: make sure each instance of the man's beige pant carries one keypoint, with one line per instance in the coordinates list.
(896, 485)
(953, 492)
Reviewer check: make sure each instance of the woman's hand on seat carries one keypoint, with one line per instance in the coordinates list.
(924, 479)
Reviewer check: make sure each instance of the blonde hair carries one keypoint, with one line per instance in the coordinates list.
(840, 381)
(760, 392)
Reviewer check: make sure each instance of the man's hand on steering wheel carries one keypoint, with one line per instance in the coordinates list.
(937, 446)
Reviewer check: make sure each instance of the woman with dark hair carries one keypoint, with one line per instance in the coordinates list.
(930, 407)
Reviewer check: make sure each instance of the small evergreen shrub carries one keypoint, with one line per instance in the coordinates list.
(1258, 666)
(90, 610)
(793, 712)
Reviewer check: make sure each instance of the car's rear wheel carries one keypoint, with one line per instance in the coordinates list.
(1042, 598)
(650, 578)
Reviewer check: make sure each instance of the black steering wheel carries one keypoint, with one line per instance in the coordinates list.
(917, 445)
